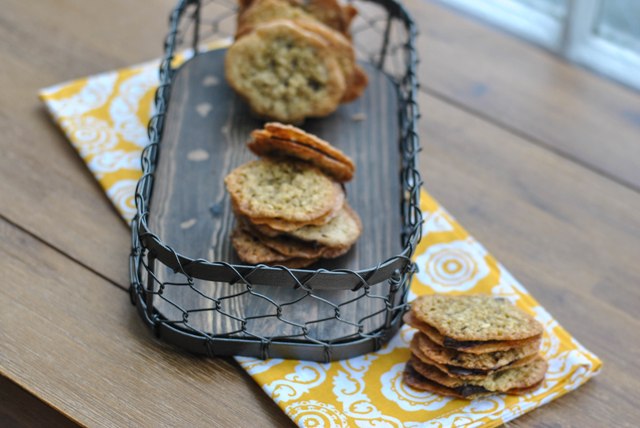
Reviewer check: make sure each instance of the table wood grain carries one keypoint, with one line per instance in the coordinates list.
(537, 158)
(530, 92)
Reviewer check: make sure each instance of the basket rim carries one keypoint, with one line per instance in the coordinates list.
(214, 346)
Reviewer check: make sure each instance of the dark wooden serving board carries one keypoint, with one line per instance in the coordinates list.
(206, 128)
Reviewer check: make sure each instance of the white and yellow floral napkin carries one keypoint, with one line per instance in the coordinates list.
(105, 118)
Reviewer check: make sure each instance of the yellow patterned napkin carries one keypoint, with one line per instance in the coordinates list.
(105, 118)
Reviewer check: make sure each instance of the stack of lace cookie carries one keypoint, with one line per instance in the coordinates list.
(290, 204)
(294, 59)
(473, 346)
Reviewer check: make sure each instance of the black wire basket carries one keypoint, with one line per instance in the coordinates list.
(384, 37)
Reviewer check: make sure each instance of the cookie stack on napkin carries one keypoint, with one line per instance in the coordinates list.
(474, 345)
(294, 59)
(290, 205)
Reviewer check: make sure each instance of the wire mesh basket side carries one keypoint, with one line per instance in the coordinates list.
(396, 56)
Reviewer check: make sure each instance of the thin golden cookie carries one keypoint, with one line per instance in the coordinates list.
(286, 246)
(262, 229)
(251, 250)
(342, 230)
(331, 13)
(285, 73)
(415, 380)
(277, 139)
(282, 226)
(475, 318)
(462, 372)
(290, 191)
(328, 12)
(285, 226)
(356, 79)
(521, 377)
(293, 247)
(262, 11)
(473, 347)
(486, 361)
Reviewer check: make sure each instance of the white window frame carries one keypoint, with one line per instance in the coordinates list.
(571, 36)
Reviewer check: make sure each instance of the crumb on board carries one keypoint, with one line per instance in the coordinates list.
(198, 155)
(188, 223)
(210, 80)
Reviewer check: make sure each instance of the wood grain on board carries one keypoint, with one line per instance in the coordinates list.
(205, 135)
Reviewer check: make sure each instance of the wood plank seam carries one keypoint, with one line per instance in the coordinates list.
(61, 252)
(528, 138)
(32, 391)
(580, 113)
(20, 408)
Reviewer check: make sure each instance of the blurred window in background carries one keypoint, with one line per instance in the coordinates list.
(603, 35)
(619, 23)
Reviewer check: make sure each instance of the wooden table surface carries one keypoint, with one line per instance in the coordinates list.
(538, 159)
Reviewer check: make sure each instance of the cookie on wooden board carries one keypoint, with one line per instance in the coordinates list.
(517, 378)
(331, 13)
(291, 191)
(277, 139)
(252, 251)
(284, 245)
(328, 12)
(261, 11)
(343, 230)
(462, 372)
(284, 226)
(356, 79)
(465, 360)
(417, 381)
(262, 229)
(293, 247)
(285, 73)
(473, 347)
